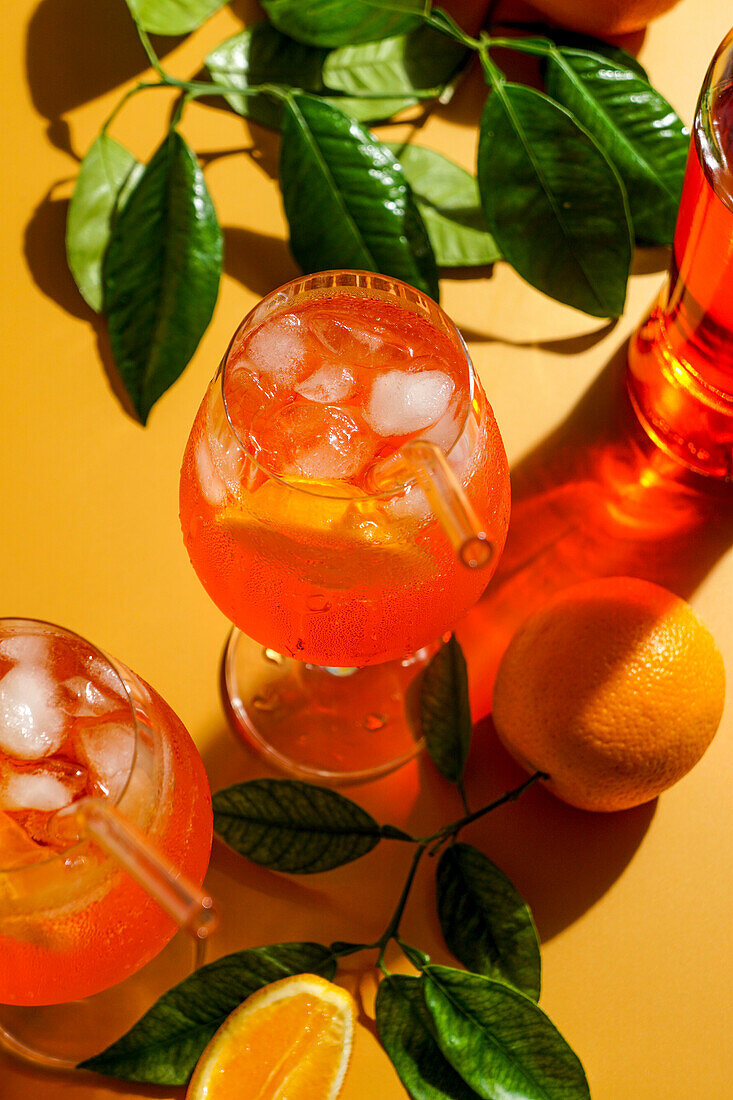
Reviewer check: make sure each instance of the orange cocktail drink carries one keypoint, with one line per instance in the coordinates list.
(342, 483)
(75, 724)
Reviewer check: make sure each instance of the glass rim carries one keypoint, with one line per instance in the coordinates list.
(111, 663)
(322, 281)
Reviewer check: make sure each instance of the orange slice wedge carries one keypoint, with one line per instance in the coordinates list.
(290, 1040)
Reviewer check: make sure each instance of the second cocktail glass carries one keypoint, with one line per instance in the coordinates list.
(344, 500)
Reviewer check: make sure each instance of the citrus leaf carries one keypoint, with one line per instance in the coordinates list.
(447, 197)
(620, 58)
(485, 921)
(107, 175)
(262, 55)
(445, 714)
(500, 1041)
(288, 825)
(423, 60)
(161, 273)
(405, 1030)
(554, 203)
(172, 16)
(634, 125)
(343, 22)
(165, 1044)
(346, 198)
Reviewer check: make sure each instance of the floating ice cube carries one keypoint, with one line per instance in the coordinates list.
(84, 699)
(328, 385)
(48, 786)
(32, 724)
(316, 441)
(410, 504)
(31, 649)
(278, 348)
(212, 485)
(108, 750)
(401, 403)
(346, 337)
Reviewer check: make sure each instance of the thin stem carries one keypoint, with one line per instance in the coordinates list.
(439, 20)
(523, 45)
(151, 54)
(510, 796)
(394, 924)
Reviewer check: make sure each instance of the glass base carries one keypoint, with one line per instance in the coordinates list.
(58, 1037)
(327, 725)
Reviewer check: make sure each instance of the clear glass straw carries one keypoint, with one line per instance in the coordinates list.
(188, 905)
(426, 464)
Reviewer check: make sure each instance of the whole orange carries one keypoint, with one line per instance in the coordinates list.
(614, 688)
(599, 17)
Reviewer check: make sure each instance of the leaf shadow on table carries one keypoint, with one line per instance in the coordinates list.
(596, 498)
(77, 50)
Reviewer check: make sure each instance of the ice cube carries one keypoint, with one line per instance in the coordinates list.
(108, 751)
(401, 402)
(278, 348)
(345, 336)
(48, 786)
(316, 441)
(84, 699)
(212, 485)
(16, 847)
(328, 385)
(31, 649)
(32, 723)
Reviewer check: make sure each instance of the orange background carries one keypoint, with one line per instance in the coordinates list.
(634, 909)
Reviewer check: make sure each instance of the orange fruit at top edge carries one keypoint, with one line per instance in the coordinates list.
(291, 1039)
(614, 688)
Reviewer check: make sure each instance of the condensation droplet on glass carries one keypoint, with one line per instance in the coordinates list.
(374, 722)
(273, 656)
(317, 602)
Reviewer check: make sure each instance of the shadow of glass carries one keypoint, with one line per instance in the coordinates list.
(77, 50)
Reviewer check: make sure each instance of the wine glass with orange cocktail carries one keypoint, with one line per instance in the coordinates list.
(344, 500)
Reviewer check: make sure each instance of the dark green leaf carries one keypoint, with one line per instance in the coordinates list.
(588, 44)
(635, 126)
(553, 201)
(485, 921)
(107, 175)
(500, 1041)
(288, 825)
(161, 273)
(261, 55)
(406, 1032)
(448, 199)
(343, 22)
(164, 1045)
(172, 16)
(445, 714)
(423, 60)
(346, 198)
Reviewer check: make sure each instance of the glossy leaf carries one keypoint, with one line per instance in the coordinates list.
(164, 1045)
(343, 22)
(172, 16)
(619, 57)
(447, 196)
(370, 109)
(500, 1041)
(291, 826)
(445, 714)
(423, 60)
(553, 201)
(161, 273)
(107, 175)
(405, 1030)
(485, 921)
(636, 127)
(346, 198)
(262, 55)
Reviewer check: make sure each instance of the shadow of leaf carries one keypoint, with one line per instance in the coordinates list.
(257, 260)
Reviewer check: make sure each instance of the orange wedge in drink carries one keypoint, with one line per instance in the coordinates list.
(289, 1039)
